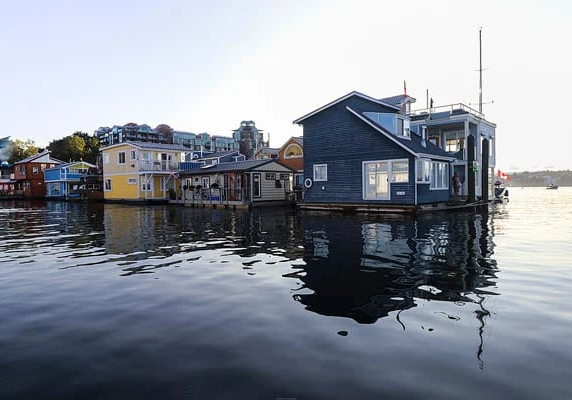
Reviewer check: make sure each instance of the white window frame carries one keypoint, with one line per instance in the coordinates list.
(320, 177)
(390, 170)
(146, 186)
(107, 185)
(119, 157)
(106, 158)
(434, 178)
(423, 170)
(133, 155)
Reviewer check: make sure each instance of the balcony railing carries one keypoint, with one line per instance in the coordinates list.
(147, 165)
(452, 109)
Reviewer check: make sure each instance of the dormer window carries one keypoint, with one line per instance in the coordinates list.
(403, 127)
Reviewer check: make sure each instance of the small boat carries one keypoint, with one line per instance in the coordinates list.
(501, 192)
(552, 186)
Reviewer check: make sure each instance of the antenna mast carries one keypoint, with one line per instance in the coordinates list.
(480, 72)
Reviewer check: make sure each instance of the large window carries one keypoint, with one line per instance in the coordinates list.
(121, 157)
(439, 175)
(423, 171)
(400, 171)
(320, 172)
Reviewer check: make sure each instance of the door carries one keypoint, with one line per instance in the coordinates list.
(375, 180)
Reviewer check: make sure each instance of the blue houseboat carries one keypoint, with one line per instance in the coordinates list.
(66, 181)
(360, 153)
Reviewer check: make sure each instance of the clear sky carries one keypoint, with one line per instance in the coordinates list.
(204, 66)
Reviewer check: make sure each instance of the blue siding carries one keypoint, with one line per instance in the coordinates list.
(52, 175)
(342, 141)
(426, 195)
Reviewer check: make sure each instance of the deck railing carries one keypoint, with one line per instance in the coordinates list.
(453, 109)
(148, 165)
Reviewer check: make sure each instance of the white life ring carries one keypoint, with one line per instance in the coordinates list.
(308, 183)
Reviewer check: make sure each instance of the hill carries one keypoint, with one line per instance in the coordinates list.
(541, 178)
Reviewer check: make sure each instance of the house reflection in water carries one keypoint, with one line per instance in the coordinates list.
(366, 270)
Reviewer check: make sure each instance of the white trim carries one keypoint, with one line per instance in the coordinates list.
(314, 172)
(347, 96)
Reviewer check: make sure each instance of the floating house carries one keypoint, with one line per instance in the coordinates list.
(237, 184)
(6, 179)
(29, 174)
(291, 154)
(67, 181)
(140, 171)
(360, 153)
(451, 127)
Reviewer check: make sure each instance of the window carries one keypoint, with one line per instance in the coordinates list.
(145, 184)
(22, 168)
(106, 158)
(439, 175)
(375, 180)
(42, 166)
(320, 172)
(133, 155)
(423, 171)
(403, 128)
(400, 171)
(256, 185)
(270, 176)
(35, 170)
(293, 151)
(132, 181)
(121, 157)
(107, 185)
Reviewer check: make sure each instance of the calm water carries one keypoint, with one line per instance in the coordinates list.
(114, 302)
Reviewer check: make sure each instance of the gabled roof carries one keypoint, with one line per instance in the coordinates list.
(347, 96)
(150, 146)
(240, 166)
(399, 99)
(412, 144)
(69, 164)
(38, 158)
(299, 140)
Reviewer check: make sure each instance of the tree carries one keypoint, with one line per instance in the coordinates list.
(75, 147)
(21, 149)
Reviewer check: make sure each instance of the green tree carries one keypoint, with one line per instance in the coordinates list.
(75, 147)
(21, 149)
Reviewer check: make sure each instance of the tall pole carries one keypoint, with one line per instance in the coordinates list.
(480, 73)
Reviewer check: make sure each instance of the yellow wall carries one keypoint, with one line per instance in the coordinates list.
(120, 189)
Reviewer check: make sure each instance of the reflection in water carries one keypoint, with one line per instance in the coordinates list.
(366, 270)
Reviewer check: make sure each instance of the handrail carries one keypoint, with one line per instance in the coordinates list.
(452, 108)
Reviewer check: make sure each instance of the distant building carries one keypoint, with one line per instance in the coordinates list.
(249, 137)
(29, 174)
(164, 134)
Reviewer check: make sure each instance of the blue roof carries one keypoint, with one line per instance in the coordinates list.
(240, 166)
(414, 143)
